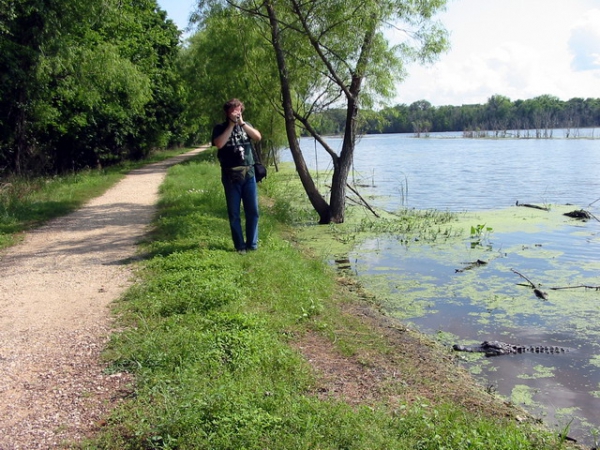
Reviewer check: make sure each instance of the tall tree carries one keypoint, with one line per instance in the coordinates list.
(336, 53)
(498, 112)
(420, 116)
(545, 114)
(229, 58)
(25, 27)
(82, 83)
(128, 107)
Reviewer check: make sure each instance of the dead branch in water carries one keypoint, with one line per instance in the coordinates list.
(538, 293)
(597, 288)
(543, 295)
(524, 277)
(364, 202)
(527, 205)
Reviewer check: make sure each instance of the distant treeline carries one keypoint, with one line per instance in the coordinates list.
(532, 118)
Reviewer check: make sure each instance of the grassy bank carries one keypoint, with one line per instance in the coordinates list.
(274, 350)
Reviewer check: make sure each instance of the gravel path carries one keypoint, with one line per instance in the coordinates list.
(55, 291)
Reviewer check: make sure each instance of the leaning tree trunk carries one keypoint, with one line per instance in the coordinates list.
(316, 199)
(341, 168)
(344, 162)
(342, 165)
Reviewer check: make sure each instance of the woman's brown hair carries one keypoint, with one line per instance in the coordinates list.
(231, 104)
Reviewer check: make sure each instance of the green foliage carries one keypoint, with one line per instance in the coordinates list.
(479, 234)
(85, 84)
(228, 58)
(324, 54)
(334, 48)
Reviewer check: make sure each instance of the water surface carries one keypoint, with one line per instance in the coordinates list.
(447, 172)
(482, 179)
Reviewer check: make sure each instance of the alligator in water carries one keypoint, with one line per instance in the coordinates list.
(471, 265)
(497, 348)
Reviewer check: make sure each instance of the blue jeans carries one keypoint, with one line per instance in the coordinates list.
(245, 193)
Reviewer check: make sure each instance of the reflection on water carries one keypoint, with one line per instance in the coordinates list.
(422, 285)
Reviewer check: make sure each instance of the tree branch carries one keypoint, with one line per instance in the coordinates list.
(597, 288)
(538, 293)
(315, 44)
(363, 201)
(318, 137)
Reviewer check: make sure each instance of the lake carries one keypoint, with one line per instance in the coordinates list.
(447, 172)
(424, 283)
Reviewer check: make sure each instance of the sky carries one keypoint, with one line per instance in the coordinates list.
(516, 48)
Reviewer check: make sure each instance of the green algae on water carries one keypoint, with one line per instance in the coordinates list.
(523, 395)
(539, 371)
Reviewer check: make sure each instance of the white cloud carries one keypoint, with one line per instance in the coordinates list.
(585, 42)
(511, 69)
(516, 48)
(519, 49)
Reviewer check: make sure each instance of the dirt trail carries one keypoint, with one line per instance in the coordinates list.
(55, 288)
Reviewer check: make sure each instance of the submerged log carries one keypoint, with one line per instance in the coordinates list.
(527, 205)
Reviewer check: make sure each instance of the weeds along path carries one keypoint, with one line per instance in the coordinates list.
(55, 291)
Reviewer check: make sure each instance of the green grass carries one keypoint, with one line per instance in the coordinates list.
(26, 203)
(207, 334)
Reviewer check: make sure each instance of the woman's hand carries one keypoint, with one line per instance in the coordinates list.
(235, 116)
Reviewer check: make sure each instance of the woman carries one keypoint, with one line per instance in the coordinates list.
(234, 138)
